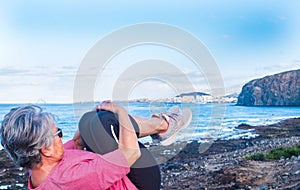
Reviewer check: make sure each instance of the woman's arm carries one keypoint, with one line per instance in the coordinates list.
(75, 143)
(128, 141)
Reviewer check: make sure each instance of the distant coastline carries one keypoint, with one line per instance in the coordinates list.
(191, 97)
(195, 97)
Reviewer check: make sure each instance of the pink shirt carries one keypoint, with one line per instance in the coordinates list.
(86, 170)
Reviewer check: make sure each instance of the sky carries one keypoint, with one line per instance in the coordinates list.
(43, 44)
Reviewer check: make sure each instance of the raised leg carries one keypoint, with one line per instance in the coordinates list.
(150, 126)
(144, 173)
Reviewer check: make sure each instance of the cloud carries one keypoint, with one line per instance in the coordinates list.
(279, 67)
(234, 82)
(66, 71)
(8, 71)
(40, 82)
(226, 36)
(163, 85)
(61, 71)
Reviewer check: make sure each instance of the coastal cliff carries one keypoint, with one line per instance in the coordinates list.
(282, 89)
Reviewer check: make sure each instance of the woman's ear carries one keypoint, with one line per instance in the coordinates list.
(47, 152)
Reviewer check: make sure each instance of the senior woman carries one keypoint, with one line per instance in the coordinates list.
(33, 141)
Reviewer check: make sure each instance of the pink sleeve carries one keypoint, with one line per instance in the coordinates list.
(99, 172)
(70, 145)
(114, 167)
(116, 157)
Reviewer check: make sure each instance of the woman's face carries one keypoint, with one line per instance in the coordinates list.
(57, 145)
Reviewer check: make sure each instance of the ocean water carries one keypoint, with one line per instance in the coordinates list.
(210, 121)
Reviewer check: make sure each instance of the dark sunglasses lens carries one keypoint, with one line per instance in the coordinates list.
(60, 134)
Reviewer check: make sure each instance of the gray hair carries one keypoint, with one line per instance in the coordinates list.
(24, 131)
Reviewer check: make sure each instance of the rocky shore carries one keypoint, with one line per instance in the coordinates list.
(223, 165)
(220, 165)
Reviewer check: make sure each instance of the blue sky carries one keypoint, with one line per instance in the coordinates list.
(43, 42)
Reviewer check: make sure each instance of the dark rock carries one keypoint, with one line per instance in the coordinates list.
(264, 187)
(11, 176)
(244, 126)
(291, 126)
(281, 89)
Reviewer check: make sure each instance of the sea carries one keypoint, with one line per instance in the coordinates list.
(209, 121)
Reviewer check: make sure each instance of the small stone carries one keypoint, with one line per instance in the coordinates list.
(259, 176)
(264, 187)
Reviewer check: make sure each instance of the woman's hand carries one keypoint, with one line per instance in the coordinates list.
(78, 141)
(108, 105)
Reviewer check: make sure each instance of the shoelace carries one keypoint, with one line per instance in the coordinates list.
(174, 116)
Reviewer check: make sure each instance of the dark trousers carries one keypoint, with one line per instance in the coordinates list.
(144, 173)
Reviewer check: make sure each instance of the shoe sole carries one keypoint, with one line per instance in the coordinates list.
(186, 118)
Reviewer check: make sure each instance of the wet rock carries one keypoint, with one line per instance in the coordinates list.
(264, 187)
(11, 176)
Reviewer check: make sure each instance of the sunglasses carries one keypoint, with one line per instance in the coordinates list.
(58, 133)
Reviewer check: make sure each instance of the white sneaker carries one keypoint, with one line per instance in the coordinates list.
(178, 120)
